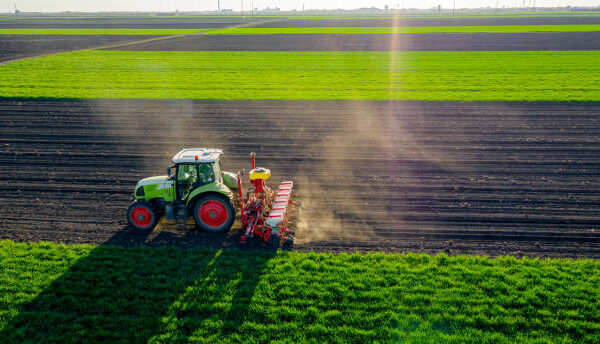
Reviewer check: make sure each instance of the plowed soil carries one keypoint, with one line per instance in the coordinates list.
(485, 178)
(416, 42)
(19, 46)
(483, 21)
(199, 23)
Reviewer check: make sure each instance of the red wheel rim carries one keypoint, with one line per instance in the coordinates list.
(141, 216)
(213, 213)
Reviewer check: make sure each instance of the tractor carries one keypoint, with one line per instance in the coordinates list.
(196, 186)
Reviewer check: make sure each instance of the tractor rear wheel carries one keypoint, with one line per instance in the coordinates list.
(214, 213)
(142, 216)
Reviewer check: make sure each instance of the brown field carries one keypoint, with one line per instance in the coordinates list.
(485, 178)
(432, 21)
(381, 42)
(20, 46)
(124, 23)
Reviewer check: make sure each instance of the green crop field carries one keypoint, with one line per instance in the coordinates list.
(407, 29)
(462, 76)
(58, 293)
(48, 31)
(446, 15)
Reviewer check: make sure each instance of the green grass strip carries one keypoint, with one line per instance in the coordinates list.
(221, 75)
(81, 293)
(403, 29)
(48, 31)
(446, 15)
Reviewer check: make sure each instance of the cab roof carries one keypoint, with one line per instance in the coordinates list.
(200, 155)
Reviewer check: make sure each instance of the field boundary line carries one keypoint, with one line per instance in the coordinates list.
(200, 33)
(124, 44)
(92, 48)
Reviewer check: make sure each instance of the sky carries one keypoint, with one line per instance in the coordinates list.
(208, 5)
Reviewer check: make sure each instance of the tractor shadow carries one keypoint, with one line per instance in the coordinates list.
(117, 294)
(168, 234)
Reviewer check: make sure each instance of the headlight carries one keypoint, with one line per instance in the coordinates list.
(140, 191)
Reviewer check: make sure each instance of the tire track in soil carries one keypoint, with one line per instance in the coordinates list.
(484, 178)
(118, 42)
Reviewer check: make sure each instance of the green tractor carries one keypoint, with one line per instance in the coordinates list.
(196, 185)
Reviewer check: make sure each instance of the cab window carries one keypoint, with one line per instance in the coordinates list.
(192, 176)
(187, 176)
(218, 170)
(206, 174)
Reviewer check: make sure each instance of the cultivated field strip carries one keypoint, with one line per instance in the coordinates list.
(307, 75)
(203, 23)
(19, 46)
(491, 178)
(399, 21)
(380, 42)
(376, 30)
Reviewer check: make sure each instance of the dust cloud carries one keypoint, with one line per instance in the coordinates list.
(375, 143)
(344, 154)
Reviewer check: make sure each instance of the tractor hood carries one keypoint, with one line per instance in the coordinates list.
(154, 187)
(152, 180)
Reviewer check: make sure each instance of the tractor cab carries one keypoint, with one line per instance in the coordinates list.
(195, 168)
(191, 176)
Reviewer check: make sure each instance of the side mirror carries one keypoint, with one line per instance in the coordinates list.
(170, 171)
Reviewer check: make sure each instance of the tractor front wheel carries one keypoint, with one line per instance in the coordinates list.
(142, 216)
(214, 213)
